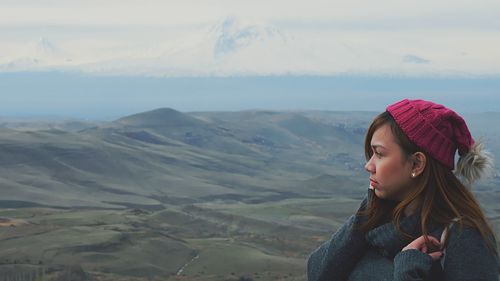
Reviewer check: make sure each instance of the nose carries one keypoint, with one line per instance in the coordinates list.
(369, 167)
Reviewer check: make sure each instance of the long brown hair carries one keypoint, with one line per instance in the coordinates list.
(443, 197)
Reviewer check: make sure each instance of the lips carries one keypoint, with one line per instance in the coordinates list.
(373, 183)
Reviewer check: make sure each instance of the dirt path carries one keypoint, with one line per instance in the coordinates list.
(179, 272)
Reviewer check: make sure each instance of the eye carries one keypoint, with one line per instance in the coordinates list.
(378, 154)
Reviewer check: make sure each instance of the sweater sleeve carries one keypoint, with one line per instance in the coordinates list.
(468, 258)
(412, 265)
(335, 259)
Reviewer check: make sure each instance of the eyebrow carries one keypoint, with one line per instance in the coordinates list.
(377, 146)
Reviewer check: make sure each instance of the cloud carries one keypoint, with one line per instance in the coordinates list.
(180, 12)
(415, 59)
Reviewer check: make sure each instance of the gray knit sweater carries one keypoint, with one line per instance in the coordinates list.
(350, 255)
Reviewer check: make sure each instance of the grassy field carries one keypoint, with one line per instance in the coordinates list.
(206, 240)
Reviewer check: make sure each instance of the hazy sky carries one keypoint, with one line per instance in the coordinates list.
(97, 59)
(236, 37)
(95, 97)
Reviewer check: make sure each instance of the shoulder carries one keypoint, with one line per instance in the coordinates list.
(467, 254)
(466, 236)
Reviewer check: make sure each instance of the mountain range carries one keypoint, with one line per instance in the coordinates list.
(224, 47)
(164, 155)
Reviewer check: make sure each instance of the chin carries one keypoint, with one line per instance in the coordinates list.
(385, 196)
(381, 194)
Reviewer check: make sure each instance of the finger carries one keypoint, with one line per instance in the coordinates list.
(436, 243)
(420, 240)
(433, 240)
(420, 243)
(436, 255)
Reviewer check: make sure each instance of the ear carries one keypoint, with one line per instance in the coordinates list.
(419, 161)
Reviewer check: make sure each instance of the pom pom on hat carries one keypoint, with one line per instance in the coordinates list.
(475, 164)
(440, 132)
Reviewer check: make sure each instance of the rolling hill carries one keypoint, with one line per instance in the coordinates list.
(164, 154)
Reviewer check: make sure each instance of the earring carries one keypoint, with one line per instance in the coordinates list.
(413, 175)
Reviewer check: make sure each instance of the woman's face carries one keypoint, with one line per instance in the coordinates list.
(390, 171)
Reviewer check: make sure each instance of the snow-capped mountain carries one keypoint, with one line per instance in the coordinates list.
(234, 47)
(41, 54)
(227, 47)
(231, 36)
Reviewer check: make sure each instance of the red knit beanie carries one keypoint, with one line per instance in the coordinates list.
(434, 128)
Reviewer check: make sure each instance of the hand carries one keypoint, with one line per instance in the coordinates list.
(433, 249)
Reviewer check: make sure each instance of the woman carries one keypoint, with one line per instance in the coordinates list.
(419, 220)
